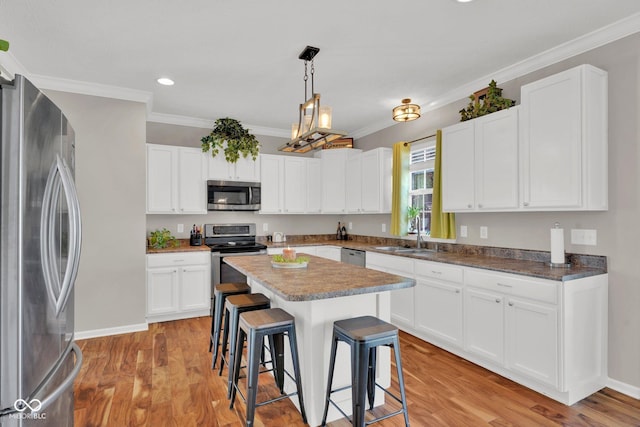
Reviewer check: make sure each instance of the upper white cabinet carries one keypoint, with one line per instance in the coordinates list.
(245, 169)
(368, 181)
(564, 141)
(289, 185)
(480, 163)
(334, 178)
(175, 180)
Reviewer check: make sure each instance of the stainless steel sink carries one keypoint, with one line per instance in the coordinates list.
(403, 250)
(391, 248)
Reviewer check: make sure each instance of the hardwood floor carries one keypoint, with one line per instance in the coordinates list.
(163, 377)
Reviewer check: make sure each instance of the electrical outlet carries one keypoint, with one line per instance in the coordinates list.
(350, 226)
(384, 227)
(463, 231)
(180, 228)
(265, 227)
(484, 232)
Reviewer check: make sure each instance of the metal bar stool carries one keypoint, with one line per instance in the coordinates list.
(273, 323)
(364, 334)
(235, 305)
(220, 293)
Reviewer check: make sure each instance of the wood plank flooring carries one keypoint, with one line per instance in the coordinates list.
(163, 377)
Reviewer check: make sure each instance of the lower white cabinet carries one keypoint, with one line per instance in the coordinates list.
(329, 252)
(178, 285)
(402, 300)
(550, 336)
(438, 303)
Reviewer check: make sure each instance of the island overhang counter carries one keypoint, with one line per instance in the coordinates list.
(318, 295)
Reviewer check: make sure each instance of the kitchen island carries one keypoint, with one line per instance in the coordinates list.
(318, 295)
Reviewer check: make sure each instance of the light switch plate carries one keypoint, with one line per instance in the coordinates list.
(584, 237)
(384, 227)
(350, 226)
(265, 227)
(484, 232)
(463, 231)
(180, 228)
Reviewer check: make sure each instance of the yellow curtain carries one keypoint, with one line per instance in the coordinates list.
(400, 191)
(443, 225)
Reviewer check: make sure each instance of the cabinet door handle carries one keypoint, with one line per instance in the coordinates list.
(178, 260)
(457, 291)
(498, 300)
(469, 205)
(526, 203)
(510, 304)
(479, 205)
(436, 272)
(504, 286)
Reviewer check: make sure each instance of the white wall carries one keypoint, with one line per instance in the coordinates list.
(110, 175)
(618, 229)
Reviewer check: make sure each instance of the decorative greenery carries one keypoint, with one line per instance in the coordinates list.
(487, 104)
(412, 213)
(238, 140)
(161, 239)
(4, 45)
(299, 260)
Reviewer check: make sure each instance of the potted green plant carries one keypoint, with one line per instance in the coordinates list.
(486, 101)
(412, 213)
(4, 45)
(229, 135)
(161, 239)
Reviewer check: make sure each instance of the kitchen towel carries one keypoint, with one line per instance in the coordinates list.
(557, 245)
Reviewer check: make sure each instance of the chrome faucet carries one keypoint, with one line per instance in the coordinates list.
(418, 243)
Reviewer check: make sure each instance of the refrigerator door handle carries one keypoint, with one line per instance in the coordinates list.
(42, 404)
(59, 176)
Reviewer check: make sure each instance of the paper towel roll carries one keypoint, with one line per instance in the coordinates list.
(557, 246)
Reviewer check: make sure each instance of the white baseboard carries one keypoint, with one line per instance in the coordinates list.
(624, 388)
(95, 333)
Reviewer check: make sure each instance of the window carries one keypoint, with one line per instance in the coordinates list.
(421, 191)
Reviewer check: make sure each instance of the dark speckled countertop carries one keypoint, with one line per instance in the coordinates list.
(517, 261)
(182, 246)
(321, 279)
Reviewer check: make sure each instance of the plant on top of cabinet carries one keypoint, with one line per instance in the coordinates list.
(485, 101)
(238, 140)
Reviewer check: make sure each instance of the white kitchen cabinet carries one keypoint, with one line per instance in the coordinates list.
(175, 180)
(329, 252)
(295, 185)
(178, 285)
(245, 169)
(563, 138)
(402, 300)
(480, 163)
(272, 177)
(484, 324)
(368, 181)
(438, 302)
(287, 184)
(550, 336)
(314, 185)
(334, 175)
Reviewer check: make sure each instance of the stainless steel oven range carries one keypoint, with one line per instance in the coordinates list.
(226, 240)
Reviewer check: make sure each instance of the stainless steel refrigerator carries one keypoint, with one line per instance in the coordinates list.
(40, 236)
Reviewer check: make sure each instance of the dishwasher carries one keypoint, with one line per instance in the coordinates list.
(353, 256)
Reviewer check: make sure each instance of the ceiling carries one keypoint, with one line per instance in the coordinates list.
(240, 59)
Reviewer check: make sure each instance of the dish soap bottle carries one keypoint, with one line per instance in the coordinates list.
(339, 232)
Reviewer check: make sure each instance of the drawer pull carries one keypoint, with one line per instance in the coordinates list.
(436, 272)
(497, 300)
(510, 304)
(504, 286)
(457, 291)
(178, 260)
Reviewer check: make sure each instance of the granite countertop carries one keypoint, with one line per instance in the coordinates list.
(321, 279)
(516, 261)
(183, 246)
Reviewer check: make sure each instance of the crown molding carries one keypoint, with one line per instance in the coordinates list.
(93, 89)
(10, 66)
(172, 119)
(618, 30)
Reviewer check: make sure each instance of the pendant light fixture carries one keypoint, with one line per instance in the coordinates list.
(406, 111)
(313, 129)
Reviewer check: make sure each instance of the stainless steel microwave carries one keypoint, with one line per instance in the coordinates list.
(233, 196)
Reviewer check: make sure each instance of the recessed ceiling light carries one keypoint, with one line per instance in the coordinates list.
(165, 81)
(464, 1)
